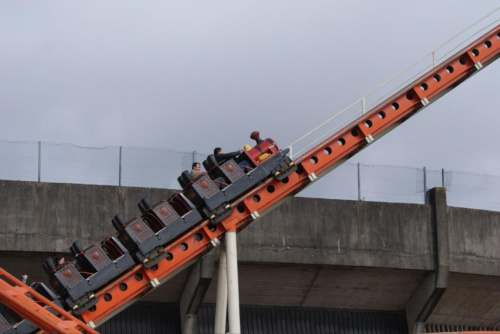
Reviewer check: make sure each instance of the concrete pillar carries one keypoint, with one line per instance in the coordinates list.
(441, 230)
(433, 285)
(194, 292)
(221, 302)
(233, 298)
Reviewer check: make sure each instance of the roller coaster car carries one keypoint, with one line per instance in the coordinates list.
(146, 236)
(265, 159)
(12, 323)
(47, 293)
(23, 326)
(6, 321)
(92, 268)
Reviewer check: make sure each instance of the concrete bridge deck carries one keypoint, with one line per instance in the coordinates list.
(440, 264)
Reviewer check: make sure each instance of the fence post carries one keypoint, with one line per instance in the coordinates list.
(120, 168)
(194, 156)
(425, 187)
(442, 177)
(39, 161)
(359, 182)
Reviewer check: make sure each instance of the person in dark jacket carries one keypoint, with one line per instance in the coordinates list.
(222, 157)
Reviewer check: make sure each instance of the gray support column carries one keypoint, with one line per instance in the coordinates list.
(221, 302)
(433, 285)
(441, 228)
(233, 297)
(194, 292)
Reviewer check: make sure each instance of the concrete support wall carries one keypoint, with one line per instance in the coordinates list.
(474, 241)
(48, 217)
(339, 232)
(195, 289)
(433, 285)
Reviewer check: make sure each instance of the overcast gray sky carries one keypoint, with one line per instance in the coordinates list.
(192, 75)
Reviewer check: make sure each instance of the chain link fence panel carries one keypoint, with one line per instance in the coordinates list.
(19, 161)
(155, 168)
(475, 191)
(159, 168)
(340, 183)
(433, 179)
(392, 184)
(65, 163)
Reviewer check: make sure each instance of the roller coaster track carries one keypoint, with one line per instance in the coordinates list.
(40, 311)
(327, 154)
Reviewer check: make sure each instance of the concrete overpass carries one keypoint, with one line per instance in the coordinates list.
(438, 264)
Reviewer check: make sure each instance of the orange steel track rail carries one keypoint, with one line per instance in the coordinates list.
(315, 163)
(16, 298)
(312, 165)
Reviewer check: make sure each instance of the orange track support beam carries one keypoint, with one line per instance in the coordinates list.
(315, 163)
(28, 304)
